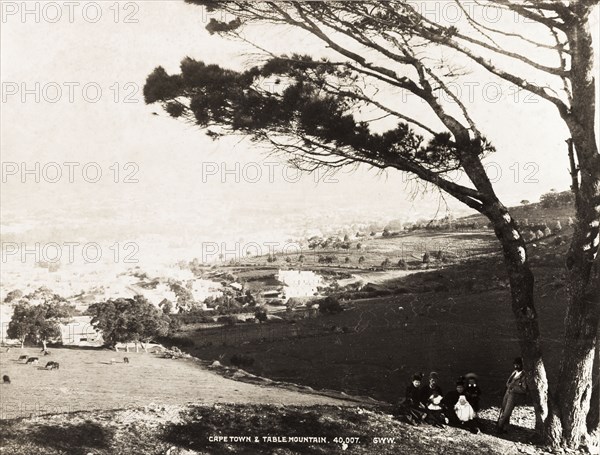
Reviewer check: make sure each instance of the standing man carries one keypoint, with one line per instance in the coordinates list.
(516, 389)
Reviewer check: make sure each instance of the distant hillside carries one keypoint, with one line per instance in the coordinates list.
(552, 207)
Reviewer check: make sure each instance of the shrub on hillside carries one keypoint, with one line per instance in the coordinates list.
(554, 199)
(194, 317)
(180, 342)
(403, 264)
(241, 360)
(292, 304)
(229, 320)
(329, 259)
(529, 236)
(330, 305)
(261, 314)
(13, 295)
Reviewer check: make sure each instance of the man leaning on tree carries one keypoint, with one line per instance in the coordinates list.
(516, 390)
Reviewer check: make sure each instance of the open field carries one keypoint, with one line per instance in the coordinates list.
(87, 381)
(409, 246)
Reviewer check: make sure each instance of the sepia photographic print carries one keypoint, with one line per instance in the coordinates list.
(299, 227)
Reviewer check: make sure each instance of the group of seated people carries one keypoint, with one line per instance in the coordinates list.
(427, 403)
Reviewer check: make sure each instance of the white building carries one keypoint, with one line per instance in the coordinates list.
(299, 283)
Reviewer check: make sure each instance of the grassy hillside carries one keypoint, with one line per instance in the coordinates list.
(453, 320)
(88, 381)
(534, 213)
(179, 430)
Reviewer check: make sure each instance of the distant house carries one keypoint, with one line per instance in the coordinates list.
(80, 332)
(272, 294)
(236, 286)
(299, 283)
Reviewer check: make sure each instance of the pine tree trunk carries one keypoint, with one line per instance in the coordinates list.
(593, 420)
(583, 277)
(560, 418)
(574, 392)
(575, 383)
(522, 304)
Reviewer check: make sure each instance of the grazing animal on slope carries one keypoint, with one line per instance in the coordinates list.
(125, 359)
(32, 360)
(23, 357)
(52, 366)
(5, 379)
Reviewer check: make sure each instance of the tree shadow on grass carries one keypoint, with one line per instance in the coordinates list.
(515, 434)
(268, 421)
(73, 439)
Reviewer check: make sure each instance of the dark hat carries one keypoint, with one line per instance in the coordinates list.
(460, 382)
(518, 361)
(434, 375)
(417, 377)
(471, 376)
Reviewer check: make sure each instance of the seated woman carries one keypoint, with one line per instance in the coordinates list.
(472, 391)
(435, 410)
(432, 386)
(410, 407)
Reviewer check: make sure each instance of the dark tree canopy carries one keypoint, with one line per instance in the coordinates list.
(125, 320)
(37, 316)
(308, 117)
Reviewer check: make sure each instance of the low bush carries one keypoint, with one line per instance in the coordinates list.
(180, 342)
(229, 320)
(241, 360)
(261, 315)
(330, 305)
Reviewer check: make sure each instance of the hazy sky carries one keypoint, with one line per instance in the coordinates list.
(167, 158)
